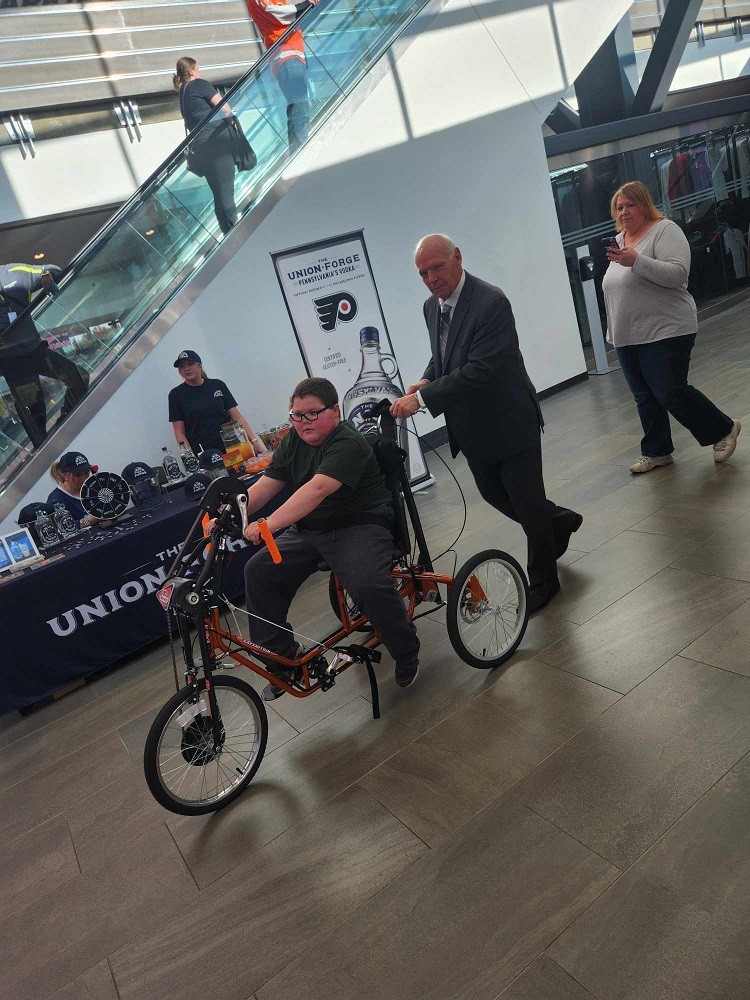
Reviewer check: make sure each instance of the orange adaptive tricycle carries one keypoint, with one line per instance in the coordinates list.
(206, 744)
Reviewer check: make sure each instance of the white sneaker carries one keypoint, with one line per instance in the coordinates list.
(724, 449)
(647, 462)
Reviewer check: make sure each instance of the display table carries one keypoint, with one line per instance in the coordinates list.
(94, 601)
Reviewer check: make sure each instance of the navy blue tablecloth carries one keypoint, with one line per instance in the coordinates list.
(97, 604)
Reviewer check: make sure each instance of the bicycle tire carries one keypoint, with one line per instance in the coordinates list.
(463, 610)
(197, 752)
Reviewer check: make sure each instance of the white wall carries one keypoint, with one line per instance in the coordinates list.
(450, 142)
(81, 171)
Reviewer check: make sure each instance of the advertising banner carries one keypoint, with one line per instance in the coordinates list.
(335, 310)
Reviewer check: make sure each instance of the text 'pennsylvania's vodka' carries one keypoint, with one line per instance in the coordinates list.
(373, 384)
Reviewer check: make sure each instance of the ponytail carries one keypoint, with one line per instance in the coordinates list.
(56, 474)
(184, 67)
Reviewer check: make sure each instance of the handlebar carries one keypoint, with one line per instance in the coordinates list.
(265, 534)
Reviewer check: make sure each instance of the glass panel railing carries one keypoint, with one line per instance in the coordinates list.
(162, 236)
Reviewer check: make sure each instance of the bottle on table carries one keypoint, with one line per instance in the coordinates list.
(188, 459)
(171, 468)
(66, 525)
(374, 383)
(46, 530)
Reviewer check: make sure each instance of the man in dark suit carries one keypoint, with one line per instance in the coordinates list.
(478, 380)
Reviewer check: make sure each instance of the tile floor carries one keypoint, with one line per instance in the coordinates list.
(575, 825)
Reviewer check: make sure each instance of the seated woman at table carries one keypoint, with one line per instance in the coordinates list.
(70, 473)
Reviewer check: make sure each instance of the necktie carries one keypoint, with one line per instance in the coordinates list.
(445, 325)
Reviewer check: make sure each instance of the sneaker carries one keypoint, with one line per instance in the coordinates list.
(406, 672)
(724, 449)
(286, 674)
(648, 462)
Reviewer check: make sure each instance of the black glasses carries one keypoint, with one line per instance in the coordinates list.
(309, 416)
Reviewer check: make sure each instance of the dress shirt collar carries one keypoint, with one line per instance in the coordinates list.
(452, 299)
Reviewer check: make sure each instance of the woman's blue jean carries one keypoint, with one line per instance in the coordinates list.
(657, 374)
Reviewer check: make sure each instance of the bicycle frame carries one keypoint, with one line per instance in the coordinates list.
(217, 642)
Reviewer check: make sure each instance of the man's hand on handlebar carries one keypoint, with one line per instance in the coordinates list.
(406, 406)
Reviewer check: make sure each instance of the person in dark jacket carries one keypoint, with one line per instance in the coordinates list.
(24, 356)
(214, 150)
(478, 380)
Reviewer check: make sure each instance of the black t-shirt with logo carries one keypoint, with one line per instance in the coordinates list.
(203, 409)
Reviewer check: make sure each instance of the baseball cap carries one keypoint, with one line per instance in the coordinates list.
(27, 514)
(187, 356)
(196, 485)
(211, 459)
(136, 472)
(74, 461)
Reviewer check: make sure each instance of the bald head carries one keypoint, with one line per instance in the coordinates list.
(439, 263)
(435, 241)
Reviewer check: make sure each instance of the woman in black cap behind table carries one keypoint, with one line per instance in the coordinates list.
(70, 473)
(200, 405)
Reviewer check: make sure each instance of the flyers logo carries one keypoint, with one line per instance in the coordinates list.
(332, 308)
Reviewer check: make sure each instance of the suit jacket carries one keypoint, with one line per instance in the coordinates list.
(483, 389)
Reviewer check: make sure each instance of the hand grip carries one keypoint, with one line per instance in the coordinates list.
(265, 534)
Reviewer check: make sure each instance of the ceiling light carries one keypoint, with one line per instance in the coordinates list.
(150, 232)
(38, 256)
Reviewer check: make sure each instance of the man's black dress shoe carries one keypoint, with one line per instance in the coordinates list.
(571, 526)
(541, 594)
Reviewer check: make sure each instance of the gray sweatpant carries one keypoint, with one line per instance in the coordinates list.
(361, 556)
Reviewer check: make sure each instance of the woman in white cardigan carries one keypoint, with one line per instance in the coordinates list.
(653, 322)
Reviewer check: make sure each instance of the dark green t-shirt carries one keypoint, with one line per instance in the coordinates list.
(344, 455)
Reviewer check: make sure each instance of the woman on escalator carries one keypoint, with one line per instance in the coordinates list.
(212, 152)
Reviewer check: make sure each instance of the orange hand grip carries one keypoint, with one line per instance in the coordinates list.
(265, 534)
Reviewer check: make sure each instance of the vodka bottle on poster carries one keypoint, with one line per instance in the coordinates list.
(171, 468)
(374, 383)
(188, 459)
(46, 531)
(66, 526)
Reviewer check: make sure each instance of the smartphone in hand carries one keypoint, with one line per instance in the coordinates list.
(610, 243)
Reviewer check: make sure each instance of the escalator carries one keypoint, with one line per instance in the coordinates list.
(129, 285)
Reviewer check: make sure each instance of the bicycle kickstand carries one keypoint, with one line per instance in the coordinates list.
(363, 654)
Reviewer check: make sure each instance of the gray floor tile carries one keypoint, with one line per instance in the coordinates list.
(726, 553)
(518, 880)
(290, 894)
(41, 749)
(33, 801)
(545, 980)
(437, 783)
(676, 924)
(95, 984)
(83, 921)
(697, 520)
(603, 576)
(624, 780)
(35, 863)
(625, 643)
(727, 644)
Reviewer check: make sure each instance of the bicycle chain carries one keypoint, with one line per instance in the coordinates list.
(171, 649)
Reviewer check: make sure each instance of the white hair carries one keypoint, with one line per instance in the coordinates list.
(448, 245)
